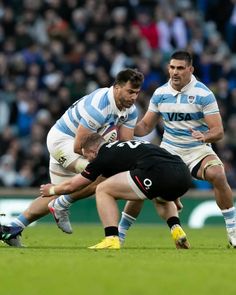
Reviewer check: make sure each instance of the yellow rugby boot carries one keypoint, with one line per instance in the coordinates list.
(111, 242)
(179, 237)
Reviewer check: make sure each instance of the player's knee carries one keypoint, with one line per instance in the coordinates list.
(102, 188)
(211, 168)
(215, 175)
(99, 189)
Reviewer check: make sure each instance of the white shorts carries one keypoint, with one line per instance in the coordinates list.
(61, 149)
(192, 156)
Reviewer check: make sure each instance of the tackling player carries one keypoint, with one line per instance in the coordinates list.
(134, 170)
(101, 108)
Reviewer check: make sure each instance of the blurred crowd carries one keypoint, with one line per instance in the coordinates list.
(53, 52)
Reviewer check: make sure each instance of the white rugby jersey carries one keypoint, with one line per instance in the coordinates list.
(94, 111)
(182, 110)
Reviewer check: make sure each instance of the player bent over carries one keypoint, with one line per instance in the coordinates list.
(104, 107)
(134, 170)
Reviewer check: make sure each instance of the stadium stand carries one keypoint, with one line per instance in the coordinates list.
(54, 51)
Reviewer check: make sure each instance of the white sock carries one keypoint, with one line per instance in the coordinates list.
(229, 217)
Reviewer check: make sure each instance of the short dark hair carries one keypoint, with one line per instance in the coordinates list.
(133, 75)
(182, 55)
(91, 140)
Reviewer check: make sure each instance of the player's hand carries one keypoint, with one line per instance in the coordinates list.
(45, 190)
(197, 135)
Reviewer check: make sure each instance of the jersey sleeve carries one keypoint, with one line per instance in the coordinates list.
(91, 172)
(91, 114)
(91, 118)
(131, 118)
(154, 101)
(209, 105)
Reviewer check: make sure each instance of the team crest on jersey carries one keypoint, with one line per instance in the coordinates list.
(191, 99)
(122, 119)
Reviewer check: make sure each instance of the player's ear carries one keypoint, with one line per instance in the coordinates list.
(192, 69)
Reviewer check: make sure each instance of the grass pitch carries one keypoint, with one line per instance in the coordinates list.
(60, 264)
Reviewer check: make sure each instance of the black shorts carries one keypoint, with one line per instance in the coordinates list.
(167, 182)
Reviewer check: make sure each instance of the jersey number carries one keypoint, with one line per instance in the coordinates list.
(132, 144)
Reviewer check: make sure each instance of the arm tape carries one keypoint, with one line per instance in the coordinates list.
(52, 191)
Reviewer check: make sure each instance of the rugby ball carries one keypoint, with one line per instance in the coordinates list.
(109, 133)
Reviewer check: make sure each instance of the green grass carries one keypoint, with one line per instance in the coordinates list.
(55, 263)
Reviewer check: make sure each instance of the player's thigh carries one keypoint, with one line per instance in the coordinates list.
(58, 173)
(118, 187)
(61, 147)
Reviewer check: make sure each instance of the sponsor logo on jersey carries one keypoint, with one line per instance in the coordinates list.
(179, 116)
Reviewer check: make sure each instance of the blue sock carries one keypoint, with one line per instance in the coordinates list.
(125, 223)
(230, 217)
(20, 221)
(63, 202)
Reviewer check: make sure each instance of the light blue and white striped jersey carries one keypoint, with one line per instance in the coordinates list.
(183, 110)
(95, 111)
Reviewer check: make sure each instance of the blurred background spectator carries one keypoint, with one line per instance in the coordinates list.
(53, 52)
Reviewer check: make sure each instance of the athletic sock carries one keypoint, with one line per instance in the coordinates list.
(111, 231)
(20, 221)
(125, 223)
(63, 202)
(229, 217)
(173, 222)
